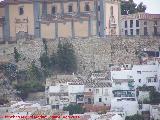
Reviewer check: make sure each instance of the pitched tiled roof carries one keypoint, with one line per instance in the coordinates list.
(99, 84)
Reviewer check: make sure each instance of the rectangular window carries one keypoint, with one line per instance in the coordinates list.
(125, 24)
(117, 83)
(145, 31)
(155, 22)
(137, 23)
(70, 8)
(131, 23)
(97, 90)
(87, 7)
(137, 31)
(155, 80)
(138, 72)
(131, 30)
(99, 8)
(99, 23)
(100, 99)
(139, 80)
(155, 30)
(53, 10)
(149, 80)
(106, 91)
(126, 32)
(99, 34)
(145, 23)
(21, 11)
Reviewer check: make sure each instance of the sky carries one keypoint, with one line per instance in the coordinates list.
(153, 6)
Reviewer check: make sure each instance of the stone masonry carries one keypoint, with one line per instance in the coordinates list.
(93, 54)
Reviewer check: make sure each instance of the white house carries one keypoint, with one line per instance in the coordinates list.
(76, 92)
(103, 93)
(62, 94)
(155, 112)
(100, 92)
(57, 95)
(142, 74)
(124, 94)
(128, 105)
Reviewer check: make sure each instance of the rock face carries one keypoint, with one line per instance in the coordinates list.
(6, 90)
(93, 54)
(124, 49)
(28, 50)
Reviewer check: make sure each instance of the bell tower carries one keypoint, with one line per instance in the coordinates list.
(109, 17)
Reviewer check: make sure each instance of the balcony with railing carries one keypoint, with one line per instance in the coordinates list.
(124, 93)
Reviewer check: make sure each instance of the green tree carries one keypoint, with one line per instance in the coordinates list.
(53, 61)
(74, 109)
(29, 87)
(34, 73)
(45, 46)
(130, 7)
(66, 58)
(16, 55)
(10, 71)
(154, 96)
(45, 61)
(135, 117)
(3, 99)
(141, 7)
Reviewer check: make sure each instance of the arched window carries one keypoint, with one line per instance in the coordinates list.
(111, 10)
(53, 10)
(87, 7)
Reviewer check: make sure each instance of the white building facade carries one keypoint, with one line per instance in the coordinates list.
(147, 74)
(124, 96)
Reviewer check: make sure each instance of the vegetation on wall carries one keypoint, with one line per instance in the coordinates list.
(45, 46)
(3, 99)
(130, 7)
(16, 55)
(135, 117)
(28, 87)
(154, 96)
(64, 60)
(34, 73)
(9, 70)
(74, 109)
(30, 80)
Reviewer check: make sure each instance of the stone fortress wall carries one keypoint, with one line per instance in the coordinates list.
(93, 54)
